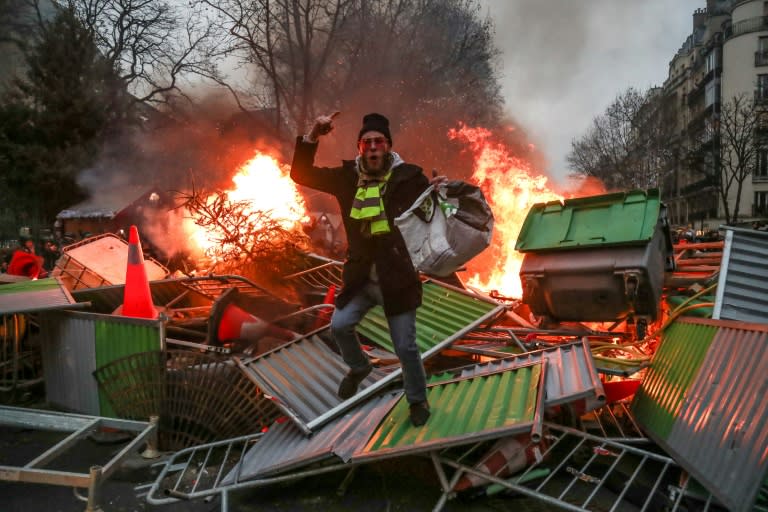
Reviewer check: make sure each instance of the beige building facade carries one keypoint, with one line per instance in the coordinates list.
(747, 36)
(725, 56)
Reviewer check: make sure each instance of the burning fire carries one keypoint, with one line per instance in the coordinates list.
(267, 186)
(508, 182)
(511, 188)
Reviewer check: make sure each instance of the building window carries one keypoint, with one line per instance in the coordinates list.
(762, 164)
(711, 92)
(761, 57)
(760, 204)
(761, 93)
(713, 58)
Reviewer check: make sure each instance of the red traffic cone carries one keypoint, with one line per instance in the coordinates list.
(137, 299)
(230, 323)
(25, 264)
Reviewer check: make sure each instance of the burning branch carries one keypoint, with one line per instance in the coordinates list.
(245, 240)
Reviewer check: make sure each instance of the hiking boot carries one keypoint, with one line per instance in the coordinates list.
(419, 413)
(349, 384)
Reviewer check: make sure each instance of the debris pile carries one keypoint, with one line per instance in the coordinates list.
(628, 376)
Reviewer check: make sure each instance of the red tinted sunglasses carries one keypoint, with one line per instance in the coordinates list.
(372, 142)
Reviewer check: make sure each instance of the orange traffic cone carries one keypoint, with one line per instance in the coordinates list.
(137, 299)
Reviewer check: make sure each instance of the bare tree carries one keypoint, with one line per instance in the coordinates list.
(627, 146)
(151, 44)
(289, 42)
(738, 150)
(249, 242)
(413, 58)
(9, 13)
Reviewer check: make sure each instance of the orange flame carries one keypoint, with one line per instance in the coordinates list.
(511, 187)
(268, 187)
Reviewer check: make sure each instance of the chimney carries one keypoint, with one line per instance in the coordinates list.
(699, 17)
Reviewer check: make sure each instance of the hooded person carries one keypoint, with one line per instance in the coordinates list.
(371, 191)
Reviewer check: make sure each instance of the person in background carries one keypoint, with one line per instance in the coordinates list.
(372, 190)
(5, 259)
(51, 255)
(28, 246)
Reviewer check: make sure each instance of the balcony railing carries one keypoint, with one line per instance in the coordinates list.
(756, 24)
(759, 178)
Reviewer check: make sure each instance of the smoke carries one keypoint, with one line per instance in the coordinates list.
(198, 146)
(564, 62)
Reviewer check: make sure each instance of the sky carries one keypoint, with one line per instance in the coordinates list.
(564, 61)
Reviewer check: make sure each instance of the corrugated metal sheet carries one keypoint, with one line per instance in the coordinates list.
(719, 429)
(69, 359)
(285, 446)
(571, 372)
(305, 374)
(74, 344)
(304, 377)
(674, 366)
(116, 337)
(35, 295)
(464, 410)
(446, 313)
(742, 289)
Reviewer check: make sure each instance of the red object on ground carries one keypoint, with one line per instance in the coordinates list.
(324, 315)
(616, 390)
(237, 324)
(137, 298)
(25, 264)
(507, 456)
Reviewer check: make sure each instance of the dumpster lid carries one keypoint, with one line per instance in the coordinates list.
(622, 218)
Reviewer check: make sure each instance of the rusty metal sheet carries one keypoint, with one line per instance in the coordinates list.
(303, 377)
(571, 373)
(711, 415)
(285, 447)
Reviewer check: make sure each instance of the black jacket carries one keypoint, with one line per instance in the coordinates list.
(399, 281)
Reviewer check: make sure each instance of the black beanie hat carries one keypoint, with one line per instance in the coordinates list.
(375, 123)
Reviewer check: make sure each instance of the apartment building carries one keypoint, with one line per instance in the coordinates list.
(725, 56)
(745, 71)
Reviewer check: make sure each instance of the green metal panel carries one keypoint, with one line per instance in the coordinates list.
(443, 313)
(33, 296)
(33, 285)
(464, 407)
(625, 218)
(703, 312)
(674, 368)
(118, 337)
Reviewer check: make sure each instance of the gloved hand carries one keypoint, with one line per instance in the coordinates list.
(323, 126)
